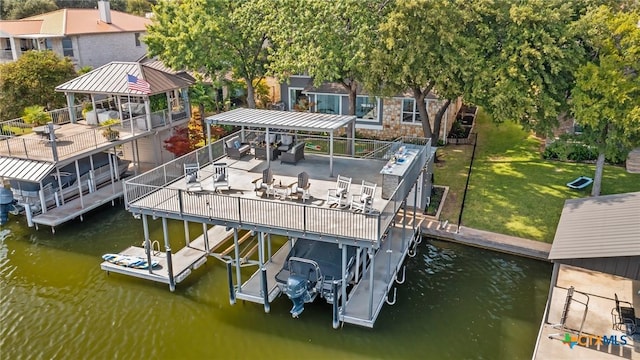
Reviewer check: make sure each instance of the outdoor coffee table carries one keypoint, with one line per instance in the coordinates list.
(280, 191)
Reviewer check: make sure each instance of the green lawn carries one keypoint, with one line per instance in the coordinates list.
(512, 190)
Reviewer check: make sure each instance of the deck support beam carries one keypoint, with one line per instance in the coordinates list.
(263, 271)
(344, 275)
(167, 246)
(371, 271)
(236, 246)
(147, 241)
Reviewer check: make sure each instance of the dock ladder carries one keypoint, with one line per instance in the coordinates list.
(569, 299)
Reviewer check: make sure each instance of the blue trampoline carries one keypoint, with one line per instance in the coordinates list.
(580, 183)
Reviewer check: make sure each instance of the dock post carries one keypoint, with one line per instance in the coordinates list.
(265, 294)
(232, 293)
(371, 271)
(167, 246)
(147, 245)
(344, 274)
(336, 318)
(237, 256)
(205, 237)
(263, 272)
(187, 235)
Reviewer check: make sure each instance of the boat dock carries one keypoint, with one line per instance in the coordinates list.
(79, 206)
(189, 258)
(345, 246)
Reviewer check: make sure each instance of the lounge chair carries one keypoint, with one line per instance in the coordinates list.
(220, 176)
(364, 200)
(338, 195)
(264, 183)
(286, 142)
(624, 317)
(293, 155)
(191, 171)
(236, 149)
(301, 187)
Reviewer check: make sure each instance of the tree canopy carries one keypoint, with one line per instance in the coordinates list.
(31, 80)
(215, 37)
(606, 97)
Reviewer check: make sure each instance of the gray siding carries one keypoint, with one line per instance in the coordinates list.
(627, 266)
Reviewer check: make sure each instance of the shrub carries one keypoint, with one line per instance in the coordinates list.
(35, 115)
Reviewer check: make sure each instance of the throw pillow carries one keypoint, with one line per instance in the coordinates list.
(236, 144)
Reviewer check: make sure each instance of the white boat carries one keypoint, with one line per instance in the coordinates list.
(62, 183)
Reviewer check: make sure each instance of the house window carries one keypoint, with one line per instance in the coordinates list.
(409, 111)
(67, 47)
(137, 39)
(367, 108)
(328, 104)
(47, 44)
(297, 100)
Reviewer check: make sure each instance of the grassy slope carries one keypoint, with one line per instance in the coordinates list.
(512, 189)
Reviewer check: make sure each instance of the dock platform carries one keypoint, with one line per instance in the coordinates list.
(183, 261)
(77, 207)
(251, 289)
(387, 263)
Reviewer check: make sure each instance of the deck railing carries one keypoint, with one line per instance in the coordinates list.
(149, 191)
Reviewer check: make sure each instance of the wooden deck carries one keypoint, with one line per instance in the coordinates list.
(77, 207)
(183, 261)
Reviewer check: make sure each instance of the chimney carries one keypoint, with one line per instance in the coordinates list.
(105, 11)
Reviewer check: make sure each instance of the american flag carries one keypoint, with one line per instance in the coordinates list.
(136, 84)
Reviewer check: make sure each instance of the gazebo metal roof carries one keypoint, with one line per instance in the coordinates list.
(112, 79)
(289, 120)
(286, 120)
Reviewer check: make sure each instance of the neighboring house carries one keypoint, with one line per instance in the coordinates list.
(90, 37)
(386, 118)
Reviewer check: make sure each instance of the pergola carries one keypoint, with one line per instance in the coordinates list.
(285, 120)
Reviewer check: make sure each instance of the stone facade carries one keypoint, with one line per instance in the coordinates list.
(393, 126)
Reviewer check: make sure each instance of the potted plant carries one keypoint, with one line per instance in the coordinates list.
(35, 115)
(108, 131)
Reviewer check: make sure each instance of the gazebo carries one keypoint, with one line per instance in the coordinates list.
(285, 120)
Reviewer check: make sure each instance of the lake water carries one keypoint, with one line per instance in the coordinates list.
(56, 303)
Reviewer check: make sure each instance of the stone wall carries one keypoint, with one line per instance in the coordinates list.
(393, 127)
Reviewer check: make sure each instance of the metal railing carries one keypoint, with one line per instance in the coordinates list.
(148, 191)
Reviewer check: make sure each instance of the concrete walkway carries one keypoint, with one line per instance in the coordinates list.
(482, 239)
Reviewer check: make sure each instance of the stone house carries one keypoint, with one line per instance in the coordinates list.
(379, 117)
(90, 37)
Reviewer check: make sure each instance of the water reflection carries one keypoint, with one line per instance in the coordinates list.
(457, 302)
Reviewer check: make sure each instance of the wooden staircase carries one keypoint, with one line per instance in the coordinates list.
(633, 161)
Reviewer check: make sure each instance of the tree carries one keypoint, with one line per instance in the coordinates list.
(329, 40)
(424, 47)
(213, 37)
(24, 8)
(119, 5)
(529, 54)
(606, 96)
(138, 7)
(31, 80)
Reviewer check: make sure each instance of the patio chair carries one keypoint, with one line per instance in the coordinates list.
(286, 142)
(624, 317)
(264, 183)
(235, 149)
(338, 195)
(301, 187)
(363, 201)
(191, 171)
(220, 176)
